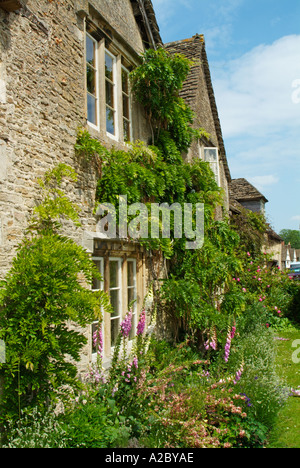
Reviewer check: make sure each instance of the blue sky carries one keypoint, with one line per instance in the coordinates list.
(253, 49)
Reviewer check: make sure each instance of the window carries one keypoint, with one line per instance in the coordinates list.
(97, 285)
(115, 284)
(107, 86)
(132, 295)
(92, 80)
(126, 105)
(110, 93)
(211, 156)
(120, 279)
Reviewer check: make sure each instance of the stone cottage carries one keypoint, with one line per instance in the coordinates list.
(243, 195)
(65, 65)
(199, 94)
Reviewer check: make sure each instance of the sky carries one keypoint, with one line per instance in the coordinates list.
(253, 49)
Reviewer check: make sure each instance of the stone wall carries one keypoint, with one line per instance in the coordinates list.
(42, 103)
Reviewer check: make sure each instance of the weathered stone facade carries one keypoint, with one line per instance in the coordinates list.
(43, 102)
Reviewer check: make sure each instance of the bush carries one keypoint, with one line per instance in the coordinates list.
(43, 292)
(36, 430)
(260, 384)
(95, 423)
(188, 408)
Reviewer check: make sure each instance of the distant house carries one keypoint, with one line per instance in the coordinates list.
(289, 256)
(241, 191)
(243, 195)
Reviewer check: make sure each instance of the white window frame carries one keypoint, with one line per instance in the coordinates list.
(96, 322)
(122, 281)
(119, 287)
(129, 103)
(217, 175)
(96, 127)
(134, 307)
(101, 105)
(116, 85)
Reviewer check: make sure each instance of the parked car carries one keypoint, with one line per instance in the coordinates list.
(295, 271)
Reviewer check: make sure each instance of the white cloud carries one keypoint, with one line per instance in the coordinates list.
(261, 182)
(255, 92)
(295, 218)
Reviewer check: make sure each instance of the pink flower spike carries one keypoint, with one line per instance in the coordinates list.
(126, 324)
(142, 322)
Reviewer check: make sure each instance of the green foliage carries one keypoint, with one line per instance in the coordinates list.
(188, 409)
(156, 84)
(265, 394)
(251, 228)
(152, 175)
(95, 423)
(56, 204)
(197, 281)
(291, 236)
(39, 429)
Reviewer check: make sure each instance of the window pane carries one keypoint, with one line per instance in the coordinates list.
(114, 274)
(130, 296)
(210, 155)
(109, 94)
(126, 106)
(90, 51)
(91, 80)
(91, 108)
(115, 302)
(115, 324)
(110, 121)
(96, 281)
(130, 274)
(109, 72)
(126, 130)
(125, 87)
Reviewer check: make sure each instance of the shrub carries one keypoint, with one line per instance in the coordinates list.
(36, 430)
(44, 292)
(95, 423)
(260, 384)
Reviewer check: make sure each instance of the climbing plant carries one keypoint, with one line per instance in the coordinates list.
(157, 174)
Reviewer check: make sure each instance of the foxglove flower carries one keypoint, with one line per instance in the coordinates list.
(126, 325)
(142, 322)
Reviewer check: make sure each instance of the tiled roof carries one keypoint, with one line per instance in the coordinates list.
(242, 190)
(198, 90)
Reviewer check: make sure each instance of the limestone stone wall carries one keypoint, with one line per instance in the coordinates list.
(42, 103)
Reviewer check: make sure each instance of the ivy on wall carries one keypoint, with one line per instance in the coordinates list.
(157, 174)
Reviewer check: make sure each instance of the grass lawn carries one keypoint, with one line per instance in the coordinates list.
(286, 432)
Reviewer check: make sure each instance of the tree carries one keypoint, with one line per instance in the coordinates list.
(291, 236)
(44, 292)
